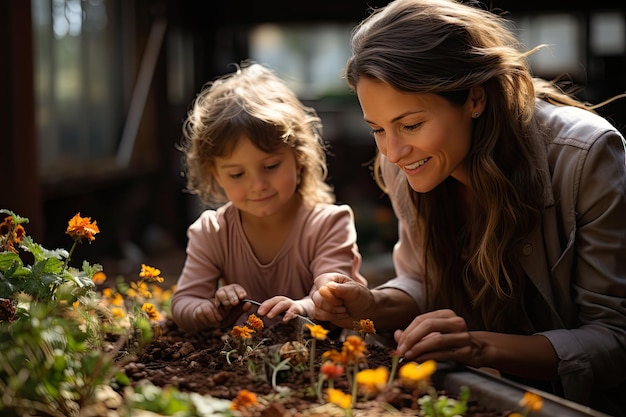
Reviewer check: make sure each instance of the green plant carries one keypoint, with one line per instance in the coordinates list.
(49, 277)
(48, 363)
(171, 402)
(432, 405)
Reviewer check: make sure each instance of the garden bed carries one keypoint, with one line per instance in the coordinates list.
(198, 363)
(73, 345)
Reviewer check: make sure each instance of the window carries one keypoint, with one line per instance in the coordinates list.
(83, 78)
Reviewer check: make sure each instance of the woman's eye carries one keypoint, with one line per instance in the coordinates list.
(412, 127)
(376, 131)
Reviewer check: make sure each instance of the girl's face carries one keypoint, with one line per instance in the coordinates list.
(256, 182)
(424, 134)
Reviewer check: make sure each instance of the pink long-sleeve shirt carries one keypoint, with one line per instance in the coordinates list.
(322, 239)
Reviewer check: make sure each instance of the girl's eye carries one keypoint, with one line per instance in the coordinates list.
(272, 166)
(235, 176)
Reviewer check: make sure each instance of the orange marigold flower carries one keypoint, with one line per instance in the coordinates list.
(531, 401)
(150, 310)
(255, 322)
(364, 326)
(19, 233)
(241, 332)
(99, 278)
(11, 234)
(6, 225)
(245, 399)
(317, 331)
(334, 356)
(340, 398)
(82, 227)
(150, 274)
(353, 348)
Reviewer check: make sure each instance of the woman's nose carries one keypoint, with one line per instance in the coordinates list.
(394, 148)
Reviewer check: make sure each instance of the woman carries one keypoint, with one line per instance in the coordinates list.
(511, 201)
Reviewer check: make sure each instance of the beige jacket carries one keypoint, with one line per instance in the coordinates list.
(576, 258)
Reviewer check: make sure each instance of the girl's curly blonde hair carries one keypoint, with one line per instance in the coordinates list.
(253, 102)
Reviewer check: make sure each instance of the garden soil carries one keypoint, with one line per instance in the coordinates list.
(199, 363)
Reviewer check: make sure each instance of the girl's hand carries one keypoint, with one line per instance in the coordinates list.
(279, 304)
(439, 335)
(208, 314)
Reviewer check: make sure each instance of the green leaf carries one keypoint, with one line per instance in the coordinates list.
(40, 253)
(9, 260)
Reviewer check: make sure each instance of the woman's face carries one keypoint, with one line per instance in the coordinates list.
(424, 134)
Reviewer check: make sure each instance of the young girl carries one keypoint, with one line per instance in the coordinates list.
(252, 146)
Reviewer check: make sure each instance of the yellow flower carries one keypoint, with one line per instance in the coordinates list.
(241, 332)
(81, 227)
(139, 289)
(150, 310)
(118, 312)
(99, 278)
(255, 322)
(415, 372)
(245, 399)
(372, 379)
(531, 401)
(117, 299)
(150, 274)
(317, 331)
(338, 397)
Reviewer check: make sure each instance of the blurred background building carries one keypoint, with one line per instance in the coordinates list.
(95, 91)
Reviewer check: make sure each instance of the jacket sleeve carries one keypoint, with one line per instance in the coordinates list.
(592, 347)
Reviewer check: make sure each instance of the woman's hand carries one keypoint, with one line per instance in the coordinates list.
(340, 298)
(439, 335)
